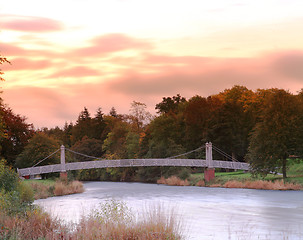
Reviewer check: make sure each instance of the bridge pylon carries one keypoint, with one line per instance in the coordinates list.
(63, 172)
(209, 172)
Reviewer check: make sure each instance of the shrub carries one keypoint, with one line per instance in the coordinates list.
(184, 174)
(15, 197)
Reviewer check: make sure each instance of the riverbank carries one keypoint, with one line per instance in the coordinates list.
(241, 179)
(112, 220)
(49, 188)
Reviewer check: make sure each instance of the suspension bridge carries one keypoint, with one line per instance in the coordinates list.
(208, 163)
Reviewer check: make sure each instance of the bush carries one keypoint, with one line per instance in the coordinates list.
(184, 173)
(8, 178)
(15, 197)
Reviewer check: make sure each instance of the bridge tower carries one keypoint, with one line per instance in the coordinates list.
(209, 172)
(63, 173)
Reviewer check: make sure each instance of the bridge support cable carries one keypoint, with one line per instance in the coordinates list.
(183, 154)
(218, 150)
(83, 155)
(46, 158)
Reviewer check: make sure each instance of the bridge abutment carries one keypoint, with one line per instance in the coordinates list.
(209, 172)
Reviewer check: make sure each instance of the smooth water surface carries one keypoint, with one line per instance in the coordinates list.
(206, 213)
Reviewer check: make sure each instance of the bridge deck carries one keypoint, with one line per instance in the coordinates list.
(131, 163)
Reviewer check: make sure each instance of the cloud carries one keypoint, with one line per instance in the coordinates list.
(111, 43)
(30, 24)
(27, 64)
(290, 64)
(194, 75)
(147, 78)
(8, 49)
(79, 71)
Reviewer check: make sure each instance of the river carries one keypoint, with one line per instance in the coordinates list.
(206, 213)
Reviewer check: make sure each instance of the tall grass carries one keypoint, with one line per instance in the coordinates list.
(261, 184)
(112, 221)
(173, 181)
(58, 188)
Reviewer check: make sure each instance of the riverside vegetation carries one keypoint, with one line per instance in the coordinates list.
(240, 179)
(20, 220)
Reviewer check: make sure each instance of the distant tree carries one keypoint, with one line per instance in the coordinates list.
(139, 116)
(18, 133)
(98, 125)
(2, 60)
(277, 135)
(88, 146)
(197, 114)
(115, 143)
(83, 127)
(2, 131)
(39, 147)
(231, 123)
(113, 112)
(170, 105)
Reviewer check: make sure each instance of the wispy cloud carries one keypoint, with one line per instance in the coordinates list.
(30, 24)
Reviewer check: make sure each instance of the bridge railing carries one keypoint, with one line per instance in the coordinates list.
(63, 166)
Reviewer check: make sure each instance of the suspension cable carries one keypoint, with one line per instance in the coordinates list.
(202, 147)
(218, 150)
(83, 155)
(46, 158)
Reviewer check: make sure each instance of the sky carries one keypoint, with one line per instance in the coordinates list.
(69, 54)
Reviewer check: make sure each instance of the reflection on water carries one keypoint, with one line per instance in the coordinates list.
(207, 213)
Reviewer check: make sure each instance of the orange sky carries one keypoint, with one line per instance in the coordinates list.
(98, 53)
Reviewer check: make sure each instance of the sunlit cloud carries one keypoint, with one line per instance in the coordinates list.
(30, 24)
(121, 51)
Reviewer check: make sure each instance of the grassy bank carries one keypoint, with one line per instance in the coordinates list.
(50, 188)
(241, 179)
(113, 220)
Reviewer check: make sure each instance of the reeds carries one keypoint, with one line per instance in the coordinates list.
(261, 184)
(111, 221)
(62, 188)
(59, 188)
(173, 181)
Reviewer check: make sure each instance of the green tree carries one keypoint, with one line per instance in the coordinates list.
(83, 126)
(39, 147)
(87, 146)
(170, 105)
(231, 123)
(277, 135)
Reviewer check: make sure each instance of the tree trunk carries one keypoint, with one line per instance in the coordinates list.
(284, 168)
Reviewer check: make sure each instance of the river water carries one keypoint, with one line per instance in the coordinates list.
(205, 213)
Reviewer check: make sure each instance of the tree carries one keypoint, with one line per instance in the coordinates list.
(2, 133)
(87, 146)
(98, 125)
(139, 116)
(231, 123)
(18, 133)
(278, 134)
(83, 126)
(39, 147)
(170, 105)
(2, 60)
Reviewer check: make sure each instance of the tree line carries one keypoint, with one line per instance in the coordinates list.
(262, 127)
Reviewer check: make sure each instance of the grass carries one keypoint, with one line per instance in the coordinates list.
(50, 188)
(173, 181)
(113, 220)
(241, 179)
